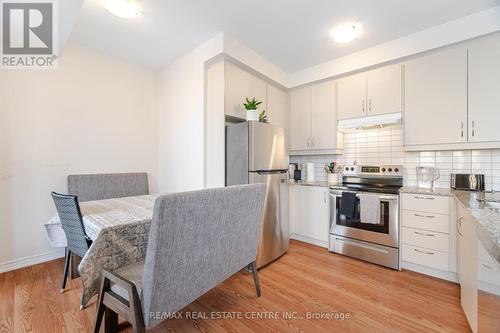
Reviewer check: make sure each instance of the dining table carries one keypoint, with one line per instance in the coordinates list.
(119, 230)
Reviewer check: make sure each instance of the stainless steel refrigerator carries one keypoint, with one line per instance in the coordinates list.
(256, 153)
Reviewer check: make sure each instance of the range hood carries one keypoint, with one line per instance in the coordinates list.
(382, 120)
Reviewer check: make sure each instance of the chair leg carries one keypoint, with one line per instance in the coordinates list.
(253, 268)
(101, 308)
(99, 316)
(110, 321)
(66, 266)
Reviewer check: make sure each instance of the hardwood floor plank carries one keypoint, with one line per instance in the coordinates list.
(302, 288)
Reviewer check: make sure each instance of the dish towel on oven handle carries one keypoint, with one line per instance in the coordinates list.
(369, 208)
(348, 205)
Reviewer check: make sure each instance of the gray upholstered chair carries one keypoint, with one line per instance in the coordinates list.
(107, 186)
(197, 240)
(78, 242)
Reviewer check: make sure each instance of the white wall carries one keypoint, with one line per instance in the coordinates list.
(94, 114)
(242, 53)
(181, 119)
(468, 27)
(185, 162)
(215, 163)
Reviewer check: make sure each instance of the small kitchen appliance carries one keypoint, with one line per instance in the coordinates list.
(426, 176)
(467, 182)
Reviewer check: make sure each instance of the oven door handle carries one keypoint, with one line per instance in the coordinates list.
(381, 197)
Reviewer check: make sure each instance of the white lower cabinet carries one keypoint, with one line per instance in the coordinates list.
(425, 234)
(426, 257)
(427, 239)
(468, 266)
(309, 214)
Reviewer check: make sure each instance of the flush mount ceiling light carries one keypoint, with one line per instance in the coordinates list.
(347, 32)
(122, 8)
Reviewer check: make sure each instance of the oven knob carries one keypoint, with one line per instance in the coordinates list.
(396, 170)
(390, 169)
(346, 169)
(352, 169)
(383, 169)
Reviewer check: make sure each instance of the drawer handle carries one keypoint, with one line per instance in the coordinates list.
(422, 234)
(426, 216)
(424, 198)
(424, 252)
(459, 225)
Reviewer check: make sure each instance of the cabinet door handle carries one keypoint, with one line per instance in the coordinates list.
(426, 216)
(363, 106)
(473, 130)
(313, 142)
(308, 142)
(370, 104)
(462, 129)
(424, 252)
(324, 197)
(422, 234)
(459, 225)
(424, 198)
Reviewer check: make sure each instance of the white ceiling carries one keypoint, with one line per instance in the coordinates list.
(292, 34)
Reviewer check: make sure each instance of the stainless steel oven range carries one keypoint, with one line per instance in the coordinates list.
(376, 242)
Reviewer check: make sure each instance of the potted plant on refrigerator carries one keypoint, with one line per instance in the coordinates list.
(251, 107)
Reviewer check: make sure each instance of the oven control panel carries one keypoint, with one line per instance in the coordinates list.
(373, 170)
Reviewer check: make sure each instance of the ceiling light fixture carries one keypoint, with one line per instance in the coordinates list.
(347, 32)
(122, 8)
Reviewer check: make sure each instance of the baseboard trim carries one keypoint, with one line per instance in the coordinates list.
(32, 260)
(450, 276)
(309, 240)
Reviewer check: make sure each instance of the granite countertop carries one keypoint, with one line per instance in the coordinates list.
(447, 192)
(487, 218)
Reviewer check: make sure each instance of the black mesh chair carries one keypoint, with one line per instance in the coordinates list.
(78, 242)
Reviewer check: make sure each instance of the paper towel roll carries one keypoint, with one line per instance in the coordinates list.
(310, 173)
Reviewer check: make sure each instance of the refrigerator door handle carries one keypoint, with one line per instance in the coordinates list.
(270, 172)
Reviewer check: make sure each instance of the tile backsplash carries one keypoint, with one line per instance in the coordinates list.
(385, 146)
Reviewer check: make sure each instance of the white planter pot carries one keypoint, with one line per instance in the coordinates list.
(252, 115)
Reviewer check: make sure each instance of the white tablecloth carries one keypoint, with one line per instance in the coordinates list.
(103, 213)
(119, 229)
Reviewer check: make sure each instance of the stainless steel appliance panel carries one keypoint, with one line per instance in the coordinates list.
(378, 254)
(389, 239)
(267, 150)
(237, 154)
(275, 235)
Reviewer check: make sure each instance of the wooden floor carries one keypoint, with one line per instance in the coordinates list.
(308, 279)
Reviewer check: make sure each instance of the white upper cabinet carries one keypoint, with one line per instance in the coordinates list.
(241, 84)
(300, 119)
(436, 98)
(383, 88)
(323, 116)
(278, 108)
(351, 94)
(258, 89)
(370, 93)
(313, 119)
(484, 90)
